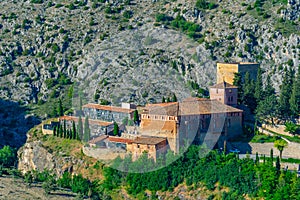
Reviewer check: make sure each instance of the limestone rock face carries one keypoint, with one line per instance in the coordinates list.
(33, 156)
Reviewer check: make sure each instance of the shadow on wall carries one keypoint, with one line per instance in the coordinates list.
(14, 123)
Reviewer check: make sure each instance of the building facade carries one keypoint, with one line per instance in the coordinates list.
(107, 113)
(224, 93)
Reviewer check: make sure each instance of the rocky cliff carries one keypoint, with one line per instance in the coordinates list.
(118, 51)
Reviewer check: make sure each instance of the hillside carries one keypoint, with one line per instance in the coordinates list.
(124, 50)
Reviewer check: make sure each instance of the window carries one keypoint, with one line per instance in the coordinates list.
(138, 146)
(228, 99)
(231, 98)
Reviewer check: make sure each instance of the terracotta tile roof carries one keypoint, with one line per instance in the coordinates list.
(169, 109)
(148, 140)
(91, 121)
(119, 140)
(223, 85)
(109, 108)
(204, 106)
(98, 139)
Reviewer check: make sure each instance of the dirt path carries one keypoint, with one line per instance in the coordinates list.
(15, 189)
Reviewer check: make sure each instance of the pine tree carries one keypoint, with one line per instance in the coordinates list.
(269, 89)
(267, 109)
(258, 93)
(237, 81)
(80, 128)
(168, 100)
(163, 100)
(285, 94)
(248, 95)
(295, 96)
(116, 129)
(174, 98)
(60, 109)
(86, 130)
(73, 130)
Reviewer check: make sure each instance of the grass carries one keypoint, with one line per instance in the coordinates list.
(264, 138)
(284, 160)
(292, 139)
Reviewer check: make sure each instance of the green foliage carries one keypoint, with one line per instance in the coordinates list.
(8, 156)
(292, 128)
(116, 129)
(280, 145)
(136, 118)
(87, 131)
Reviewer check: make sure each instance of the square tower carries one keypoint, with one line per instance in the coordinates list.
(226, 71)
(224, 93)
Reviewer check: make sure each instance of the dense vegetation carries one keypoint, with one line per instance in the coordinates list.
(242, 176)
(262, 100)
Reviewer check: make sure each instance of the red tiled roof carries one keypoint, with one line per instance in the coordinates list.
(109, 108)
(204, 106)
(98, 139)
(148, 140)
(91, 121)
(169, 109)
(119, 139)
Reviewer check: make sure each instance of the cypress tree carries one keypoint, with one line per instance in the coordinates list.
(116, 129)
(249, 89)
(277, 164)
(80, 128)
(174, 98)
(285, 94)
(73, 130)
(61, 131)
(269, 89)
(168, 100)
(295, 96)
(237, 81)
(163, 100)
(60, 109)
(65, 129)
(136, 117)
(258, 94)
(271, 155)
(54, 131)
(58, 130)
(256, 159)
(86, 130)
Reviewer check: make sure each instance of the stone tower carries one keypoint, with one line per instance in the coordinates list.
(224, 93)
(226, 71)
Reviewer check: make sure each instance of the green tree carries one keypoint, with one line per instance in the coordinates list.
(61, 131)
(201, 4)
(73, 130)
(174, 98)
(285, 94)
(258, 93)
(80, 128)
(87, 130)
(65, 129)
(116, 129)
(277, 164)
(237, 81)
(280, 145)
(60, 109)
(269, 89)
(291, 128)
(163, 100)
(295, 96)
(7, 156)
(54, 131)
(248, 92)
(136, 118)
(267, 110)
